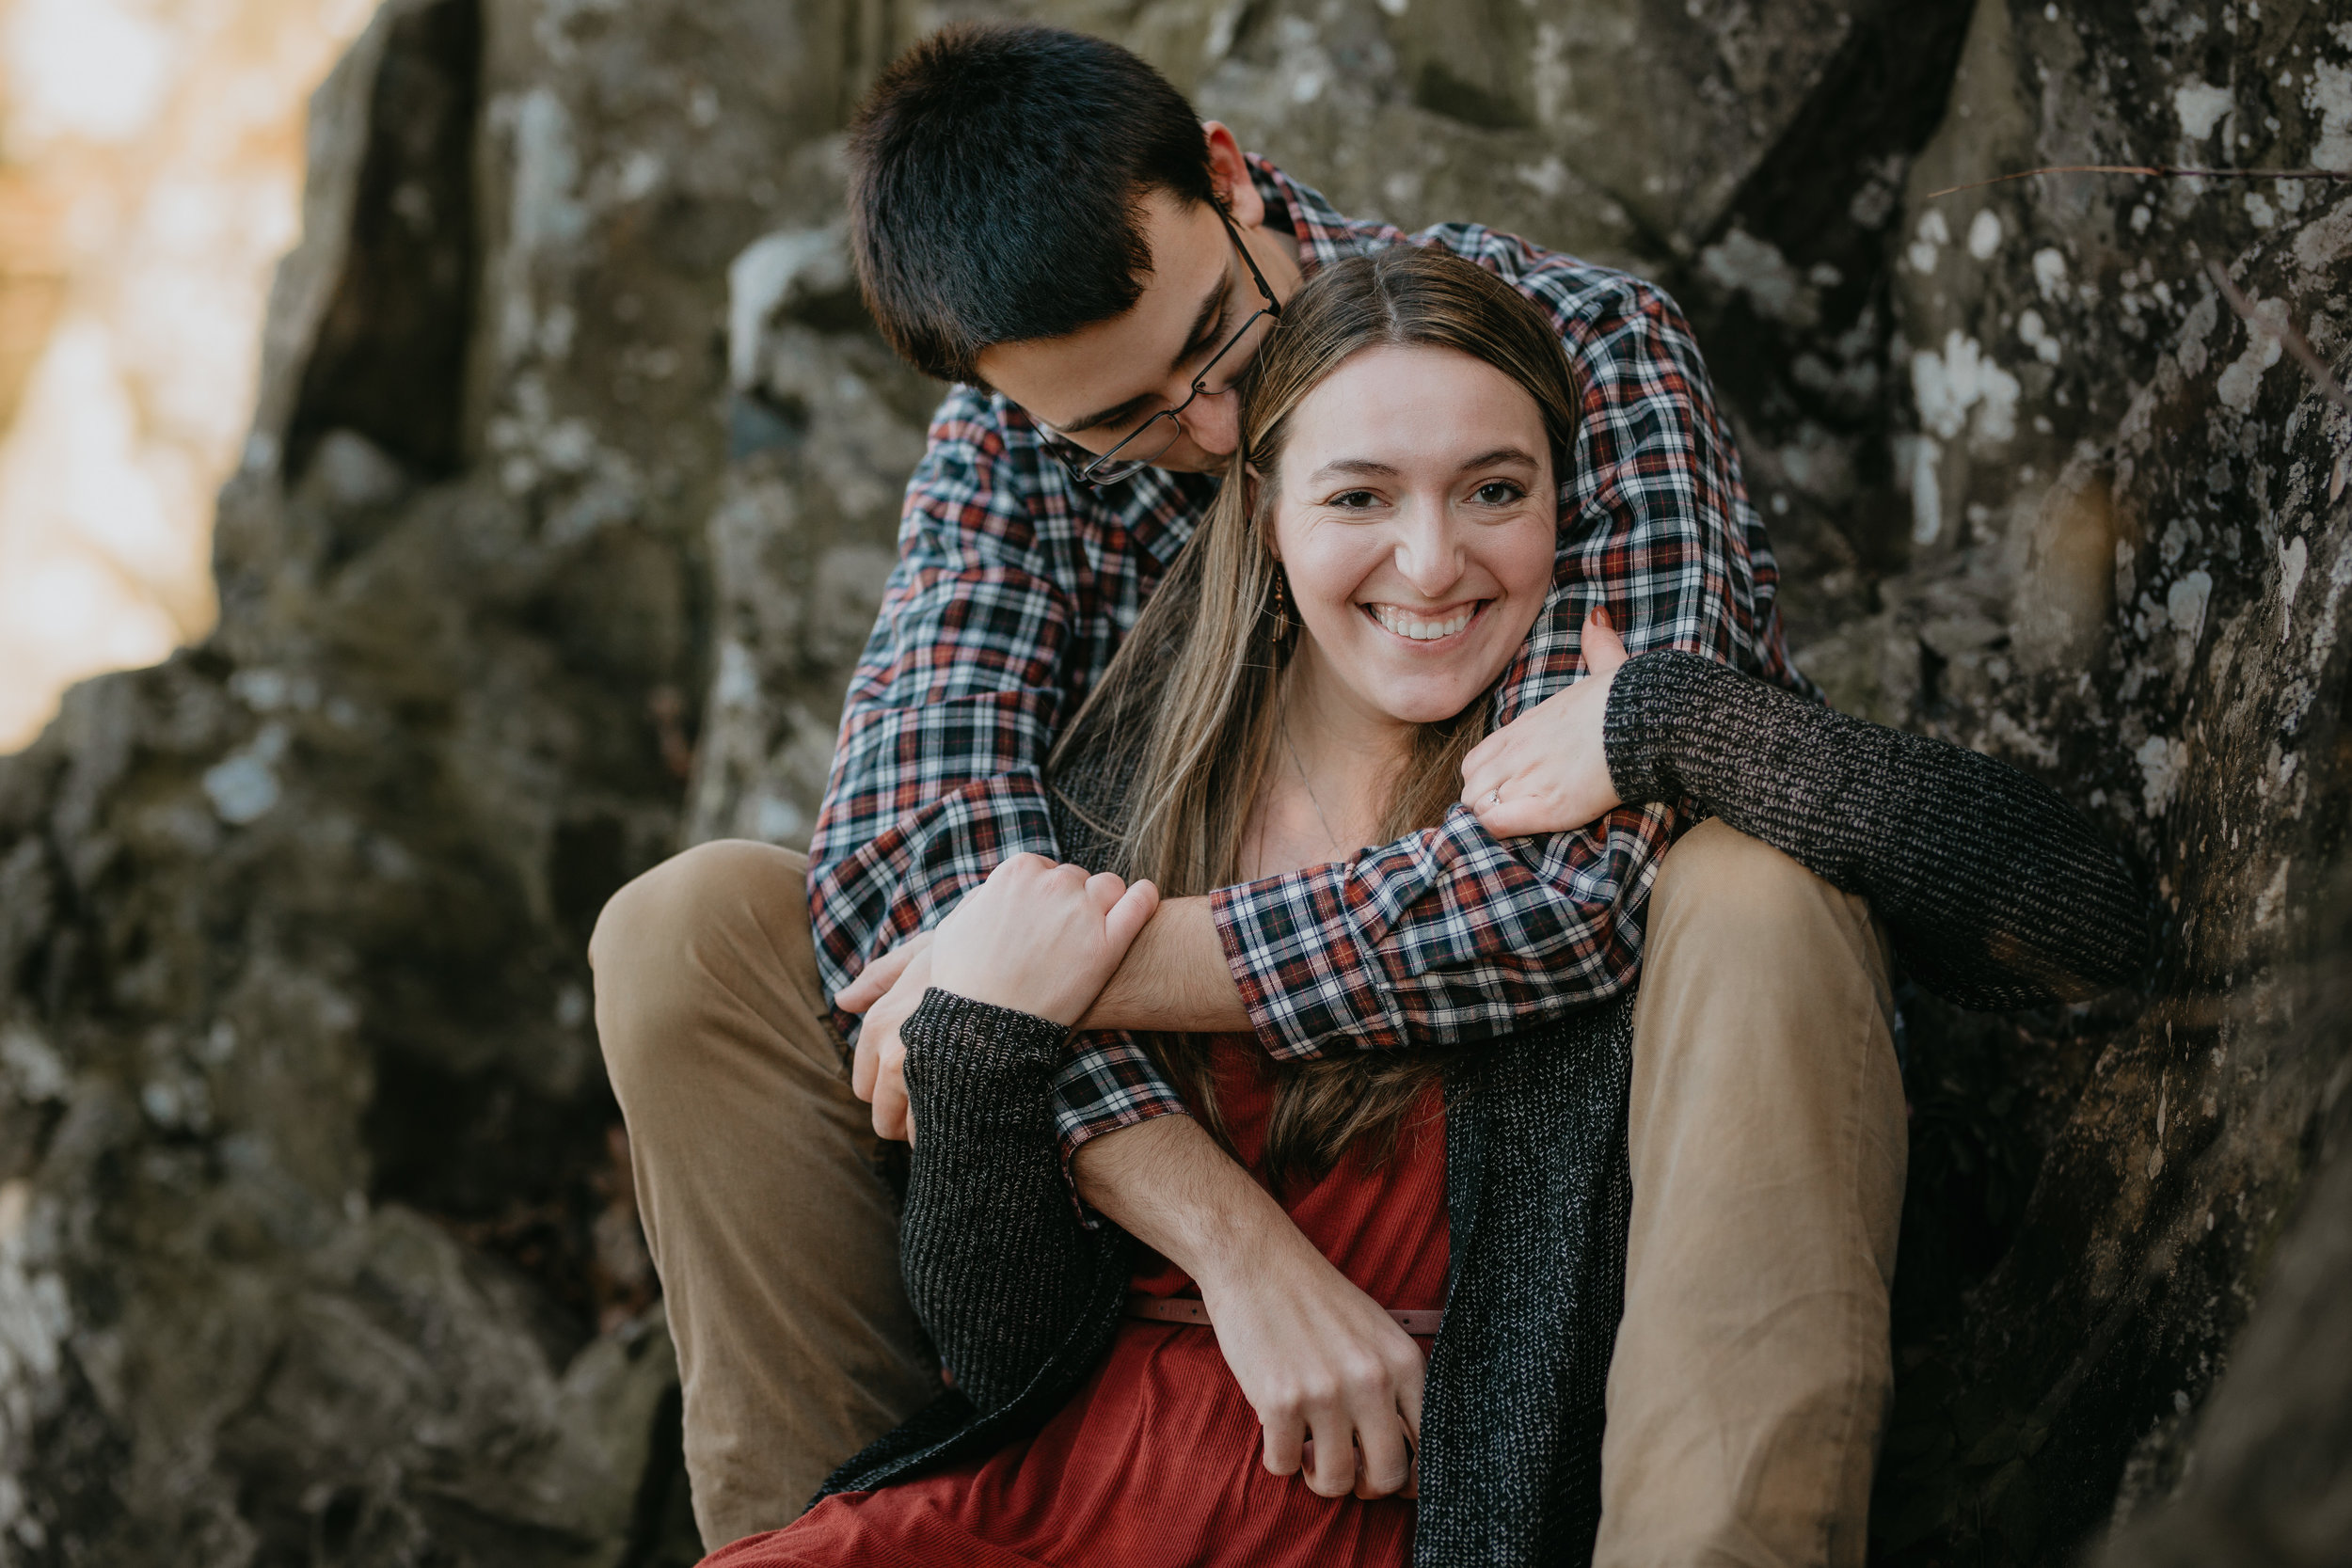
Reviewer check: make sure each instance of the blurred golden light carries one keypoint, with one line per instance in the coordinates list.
(151, 171)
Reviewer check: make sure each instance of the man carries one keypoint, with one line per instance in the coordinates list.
(1039, 218)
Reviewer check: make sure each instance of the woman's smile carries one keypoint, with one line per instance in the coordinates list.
(1426, 629)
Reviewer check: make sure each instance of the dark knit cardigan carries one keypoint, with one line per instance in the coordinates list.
(1993, 892)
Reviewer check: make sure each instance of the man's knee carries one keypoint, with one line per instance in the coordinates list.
(670, 927)
(682, 898)
(1718, 888)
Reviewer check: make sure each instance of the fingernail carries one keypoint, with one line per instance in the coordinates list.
(1601, 616)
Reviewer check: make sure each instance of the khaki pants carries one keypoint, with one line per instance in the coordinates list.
(1767, 1133)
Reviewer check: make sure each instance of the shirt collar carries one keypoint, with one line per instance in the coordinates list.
(1323, 235)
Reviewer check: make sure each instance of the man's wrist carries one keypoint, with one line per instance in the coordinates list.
(1253, 1243)
(1174, 978)
(1169, 1185)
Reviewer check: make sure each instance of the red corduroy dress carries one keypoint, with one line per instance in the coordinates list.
(1154, 1462)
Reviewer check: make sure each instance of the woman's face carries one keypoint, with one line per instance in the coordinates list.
(1417, 518)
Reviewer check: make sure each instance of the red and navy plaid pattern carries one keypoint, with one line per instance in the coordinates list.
(1014, 585)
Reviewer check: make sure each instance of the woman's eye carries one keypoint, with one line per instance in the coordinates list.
(1354, 501)
(1500, 492)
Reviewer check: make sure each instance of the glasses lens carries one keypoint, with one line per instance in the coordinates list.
(1226, 368)
(1138, 452)
(1074, 457)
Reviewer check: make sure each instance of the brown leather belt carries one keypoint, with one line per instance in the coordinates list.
(1421, 1323)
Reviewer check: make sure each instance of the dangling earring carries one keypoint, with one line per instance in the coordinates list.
(1281, 611)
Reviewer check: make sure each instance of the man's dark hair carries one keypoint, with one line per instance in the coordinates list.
(997, 178)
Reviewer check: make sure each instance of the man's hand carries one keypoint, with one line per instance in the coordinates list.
(1336, 1384)
(887, 991)
(1547, 770)
(1335, 1381)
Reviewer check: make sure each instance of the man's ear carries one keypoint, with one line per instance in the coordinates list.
(1229, 171)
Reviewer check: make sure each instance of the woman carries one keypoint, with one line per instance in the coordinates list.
(1314, 676)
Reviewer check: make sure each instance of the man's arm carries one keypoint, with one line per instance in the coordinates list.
(989, 618)
(1315, 1356)
(1174, 978)
(1452, 935)
(951, 710)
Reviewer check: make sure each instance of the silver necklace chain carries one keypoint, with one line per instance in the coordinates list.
(1330, 837)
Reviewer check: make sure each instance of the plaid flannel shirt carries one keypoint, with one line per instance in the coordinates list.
(1015, 584)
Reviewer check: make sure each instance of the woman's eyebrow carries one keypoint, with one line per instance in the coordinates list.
(1500, 454)
(1339, 467)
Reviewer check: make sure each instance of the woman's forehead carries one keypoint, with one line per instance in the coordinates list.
(1410, 403)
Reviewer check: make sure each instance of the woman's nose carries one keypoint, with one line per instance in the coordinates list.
(1429, 556)
(1214, 423)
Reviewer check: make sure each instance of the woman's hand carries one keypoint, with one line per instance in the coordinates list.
(1040, 938)
(1336, 1384)
(887, 991)
(1037, 937)
(1546, 771)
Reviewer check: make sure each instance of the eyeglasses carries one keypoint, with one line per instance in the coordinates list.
(1157, 434)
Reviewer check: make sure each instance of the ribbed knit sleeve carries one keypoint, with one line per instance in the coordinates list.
(1996, 892)
(1000, 1271)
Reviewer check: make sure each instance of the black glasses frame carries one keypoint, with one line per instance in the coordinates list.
(1110, 469)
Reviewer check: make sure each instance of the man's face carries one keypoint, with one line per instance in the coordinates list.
(1095, 386)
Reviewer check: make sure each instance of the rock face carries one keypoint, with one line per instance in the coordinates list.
(572, 489)
(316, 1245)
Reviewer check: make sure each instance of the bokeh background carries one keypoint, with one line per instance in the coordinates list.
(551, 481)
(151, 177)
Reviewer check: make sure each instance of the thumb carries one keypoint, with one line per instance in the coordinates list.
(1603, 649)
(874, 981)
(1132, 911)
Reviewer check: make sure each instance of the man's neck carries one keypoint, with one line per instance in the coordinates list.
(1275, 251)
(1274, 245)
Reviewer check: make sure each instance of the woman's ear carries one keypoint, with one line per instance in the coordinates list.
(1229, 171)
(1249, 503)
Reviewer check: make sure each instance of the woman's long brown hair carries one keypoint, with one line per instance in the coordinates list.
(1191, 708)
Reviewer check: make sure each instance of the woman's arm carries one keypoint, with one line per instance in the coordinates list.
(1996, 891)
(998, 1267)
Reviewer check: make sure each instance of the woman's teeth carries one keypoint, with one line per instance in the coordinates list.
(1406, 623)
